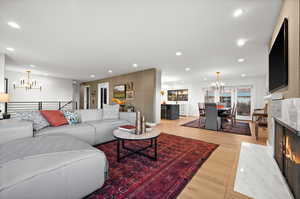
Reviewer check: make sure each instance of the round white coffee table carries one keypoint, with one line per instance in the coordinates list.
(122, 136)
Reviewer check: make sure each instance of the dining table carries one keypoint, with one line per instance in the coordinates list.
(222, 110)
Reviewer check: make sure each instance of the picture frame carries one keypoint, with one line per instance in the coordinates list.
(119, 91)
(129, 86)
(130, 95)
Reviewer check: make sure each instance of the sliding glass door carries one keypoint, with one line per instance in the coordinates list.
(240, 96)
(225, 97)
(243, 103)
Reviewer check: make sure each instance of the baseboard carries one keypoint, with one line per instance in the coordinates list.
(270, 149)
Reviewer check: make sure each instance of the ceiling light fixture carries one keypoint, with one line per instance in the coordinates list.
(218, 84)
(13, 25)
(241, 42)
(204, 78)
(92, 76)
(28, 83)
(240, 60)
(135, 65)
(187, 69)
(238, 13)
(10, 49)
(32, 66)
(178, 53)
(243, 75)
(110, 71)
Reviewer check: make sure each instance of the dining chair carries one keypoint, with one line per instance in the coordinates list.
(258, 111)
(212, 121)
(232, 115)
(201, 108)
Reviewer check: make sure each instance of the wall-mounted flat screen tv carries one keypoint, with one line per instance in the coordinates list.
(278, 60)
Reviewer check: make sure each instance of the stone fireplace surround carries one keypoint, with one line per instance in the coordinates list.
(284, 140)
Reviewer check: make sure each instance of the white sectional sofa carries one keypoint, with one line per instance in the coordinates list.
(92, 128)
(51, 166)
(56, 162)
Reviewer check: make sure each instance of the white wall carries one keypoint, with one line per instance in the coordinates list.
(157, 98)
(2, 70)
(196, 94)
(53, 89)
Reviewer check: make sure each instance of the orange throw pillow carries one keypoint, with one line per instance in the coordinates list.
(54, 117)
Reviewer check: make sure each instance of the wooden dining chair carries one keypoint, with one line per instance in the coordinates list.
(232, 115)
(257, 112)
(201, 108)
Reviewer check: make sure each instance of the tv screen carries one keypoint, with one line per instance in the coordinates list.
(278, 60)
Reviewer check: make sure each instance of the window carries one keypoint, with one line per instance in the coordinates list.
(225, 97)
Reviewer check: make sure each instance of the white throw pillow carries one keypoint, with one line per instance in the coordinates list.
(111, 111)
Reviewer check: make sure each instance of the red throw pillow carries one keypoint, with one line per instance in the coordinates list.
(55, 118)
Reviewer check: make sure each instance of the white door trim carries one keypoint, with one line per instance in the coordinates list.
(102, 85)
(85, 97)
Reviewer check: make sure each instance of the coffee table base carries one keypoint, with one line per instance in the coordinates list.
(121, 144)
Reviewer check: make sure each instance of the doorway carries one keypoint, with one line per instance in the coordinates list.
(87, 97)
(103, 94)
(243, 103)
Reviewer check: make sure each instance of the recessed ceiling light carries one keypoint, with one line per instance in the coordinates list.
(135, 65)
(92, 76)
(32, 66)
(13, 25)
(243, 75)
(241, 60)
(238, 13)
(182, 82)
(10, 49)
(110, 71)
(204, 78)
(241, 42)
(187, 69)
(178, 53)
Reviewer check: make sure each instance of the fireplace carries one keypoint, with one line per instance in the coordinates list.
(287, 155)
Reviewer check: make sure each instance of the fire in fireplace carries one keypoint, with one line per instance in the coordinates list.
(287, 155)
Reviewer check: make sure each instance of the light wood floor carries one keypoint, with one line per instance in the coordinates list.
(215, 178)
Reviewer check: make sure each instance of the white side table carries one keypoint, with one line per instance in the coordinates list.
(14, 129)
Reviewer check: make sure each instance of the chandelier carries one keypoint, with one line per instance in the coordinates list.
(28, 83)
(218, 84)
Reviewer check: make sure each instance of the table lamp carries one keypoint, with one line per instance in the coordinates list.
(4, 98)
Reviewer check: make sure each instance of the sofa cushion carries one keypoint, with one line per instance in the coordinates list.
(15, 129)
(26, 164)
(111, 111)
(82, 131)
(104, 129)
(54, 117)
(39, 122)
(89, 114)
(72, 117)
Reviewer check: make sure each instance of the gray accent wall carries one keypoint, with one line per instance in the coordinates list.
(146, 85)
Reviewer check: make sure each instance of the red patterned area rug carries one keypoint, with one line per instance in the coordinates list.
(138, 177)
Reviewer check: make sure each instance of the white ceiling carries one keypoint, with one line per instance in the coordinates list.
(76, 38)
